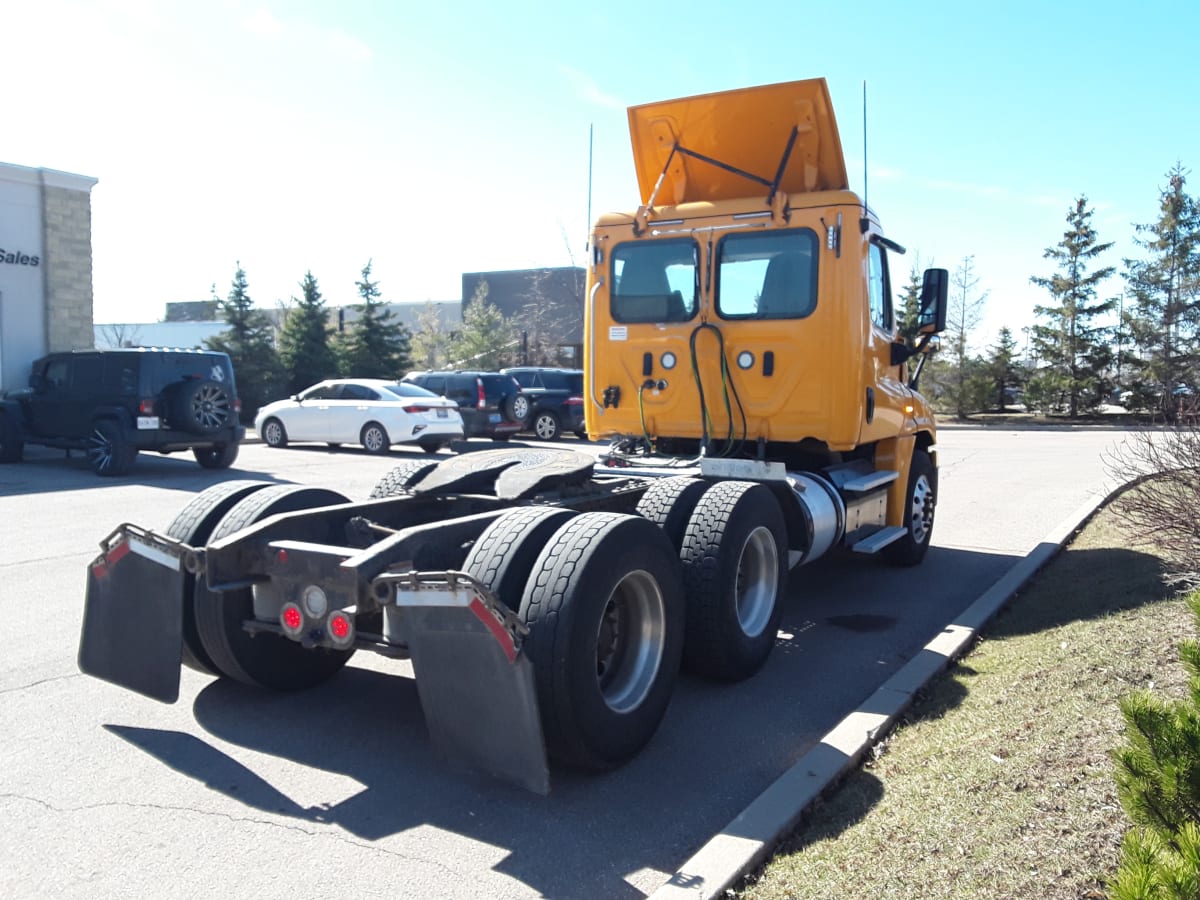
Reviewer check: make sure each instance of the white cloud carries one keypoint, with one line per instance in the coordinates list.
(262, 23)
(587, 89)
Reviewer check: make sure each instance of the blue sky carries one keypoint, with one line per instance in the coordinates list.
(452, 137)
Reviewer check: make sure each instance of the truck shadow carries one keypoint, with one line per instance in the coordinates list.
(718, 747)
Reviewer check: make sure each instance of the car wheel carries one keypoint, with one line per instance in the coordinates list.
(274, 434)
(545, 425)
(203, 407)
(374, 438)
(516, 407)
(108, 452)
(221, 456)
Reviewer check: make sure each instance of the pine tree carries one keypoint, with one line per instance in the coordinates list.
(1002, 367)
(1070, 343)
(486, 339)
(304, 347)
(1165, 289)
(910, 303)
(250, 343)
(374, 346)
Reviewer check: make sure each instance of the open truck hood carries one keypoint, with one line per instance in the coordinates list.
(747, 129)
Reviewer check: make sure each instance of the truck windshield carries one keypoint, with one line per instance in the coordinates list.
(767, 275)
(654, 281)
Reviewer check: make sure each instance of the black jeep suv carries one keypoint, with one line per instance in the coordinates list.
(492, 405)
(113, 403)
(555, 400)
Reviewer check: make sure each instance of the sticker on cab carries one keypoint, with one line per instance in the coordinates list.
(618, 333)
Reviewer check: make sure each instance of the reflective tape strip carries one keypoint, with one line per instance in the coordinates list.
(499, 632)
(154, 554)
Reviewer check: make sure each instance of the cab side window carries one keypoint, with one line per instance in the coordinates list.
(880, 289)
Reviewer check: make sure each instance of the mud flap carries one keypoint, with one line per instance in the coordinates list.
(133, 613)
(476, 687)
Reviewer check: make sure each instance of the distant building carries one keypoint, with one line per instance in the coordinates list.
(45, 267)
(545, 305)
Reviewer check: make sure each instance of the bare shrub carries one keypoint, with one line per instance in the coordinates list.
(1163, 510)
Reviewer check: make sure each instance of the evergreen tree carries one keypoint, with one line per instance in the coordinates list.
(374, 345)
(250, 343)
(1070, 343)
(486, 339)
(430, 343)
(910, 303)
(304, 348)
(1165, 289)
(1002, 367)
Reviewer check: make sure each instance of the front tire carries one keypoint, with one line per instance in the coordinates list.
(735, 573)
(108, 452)
(274, 434)
(919, 503)
(604, 606)
(374, 438)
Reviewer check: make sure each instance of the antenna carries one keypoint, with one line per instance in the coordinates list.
(588, 232)
(864, 223)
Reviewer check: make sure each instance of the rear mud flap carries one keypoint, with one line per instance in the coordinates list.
(476, 688)
(133, 614)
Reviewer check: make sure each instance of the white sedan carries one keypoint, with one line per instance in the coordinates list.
(369, 411)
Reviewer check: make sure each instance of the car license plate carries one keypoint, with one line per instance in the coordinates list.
(494, 418)
(147, 422)
(441, 413)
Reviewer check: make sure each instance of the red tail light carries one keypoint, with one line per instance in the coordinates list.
(340, 628)
(418, 409)
(291, 619)
(146, 406)
(573, 401)
(482, 396)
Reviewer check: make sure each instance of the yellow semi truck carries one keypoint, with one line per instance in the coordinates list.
(741, 356)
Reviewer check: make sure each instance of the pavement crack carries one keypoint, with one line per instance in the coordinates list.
(227, 817)
(33, 684)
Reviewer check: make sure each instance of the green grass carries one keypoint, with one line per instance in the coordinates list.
(999, 782)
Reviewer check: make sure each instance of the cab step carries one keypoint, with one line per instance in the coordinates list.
(873, 543)
(870, 481)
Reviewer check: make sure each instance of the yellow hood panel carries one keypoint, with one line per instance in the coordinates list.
(747, 129)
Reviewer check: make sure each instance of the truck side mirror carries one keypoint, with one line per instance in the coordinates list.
(935, 290)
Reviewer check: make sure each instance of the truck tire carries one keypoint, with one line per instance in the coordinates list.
(265, 660)
(374, 438)
(11, 444)
(202, 407)
(503, 556)
(735, 573)
(604, 606)
(919, 503)
(108, 452)
(397, 482)
(545, 425)
(193, 525)
(274, 434)
(669, 503)
(219, 456)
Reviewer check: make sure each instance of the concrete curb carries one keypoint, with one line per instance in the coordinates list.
(753, 834)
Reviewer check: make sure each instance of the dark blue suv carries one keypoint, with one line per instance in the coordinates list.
(555, 400)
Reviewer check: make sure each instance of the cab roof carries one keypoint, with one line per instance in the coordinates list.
(749, 130)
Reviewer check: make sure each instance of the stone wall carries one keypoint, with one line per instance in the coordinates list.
(67, 244)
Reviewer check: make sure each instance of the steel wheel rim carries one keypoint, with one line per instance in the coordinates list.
(210, 406)
(921, 517)
(100, 451)
(274, 431)
(757, 581)
(545, 427)
(629, 641)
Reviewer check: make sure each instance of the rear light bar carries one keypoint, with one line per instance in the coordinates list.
(482, 397)
(573, 401)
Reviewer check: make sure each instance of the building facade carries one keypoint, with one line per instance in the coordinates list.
(45, 267)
